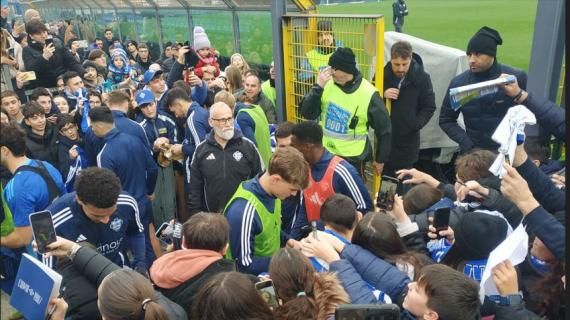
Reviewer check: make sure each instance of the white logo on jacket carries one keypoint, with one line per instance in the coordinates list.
(238, 155)
(211, 157)
(116, 224)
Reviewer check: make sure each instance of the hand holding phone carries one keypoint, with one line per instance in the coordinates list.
(267, 292)
(387, 192)
(441, 220)
(43, 229)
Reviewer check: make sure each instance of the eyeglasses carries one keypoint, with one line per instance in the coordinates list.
(224, 120)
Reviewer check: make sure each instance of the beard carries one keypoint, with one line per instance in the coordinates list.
(224, 134)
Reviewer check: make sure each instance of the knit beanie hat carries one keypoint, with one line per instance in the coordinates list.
(485, 41)
(477, 234)
(118, 53)
(343, 59)
(201, 40)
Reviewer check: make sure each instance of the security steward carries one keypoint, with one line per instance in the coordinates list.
(348, 106)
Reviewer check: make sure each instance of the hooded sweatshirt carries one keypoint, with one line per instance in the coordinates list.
(179, 274)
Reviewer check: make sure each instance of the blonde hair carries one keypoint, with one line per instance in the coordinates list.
(227, 97)
(289, 164)
(245, 65)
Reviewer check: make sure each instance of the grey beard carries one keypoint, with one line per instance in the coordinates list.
(226, 135)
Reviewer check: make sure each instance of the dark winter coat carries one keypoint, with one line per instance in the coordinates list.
(481, 115)
(410, 112)
(48, 70)
(42, 147)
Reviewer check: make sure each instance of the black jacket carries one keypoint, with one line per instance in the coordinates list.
(481, 115)
(48, 70)
(216, 173)
(185, 293)
(42, 147)
(92, 268)
(378, 118)
(410, 112)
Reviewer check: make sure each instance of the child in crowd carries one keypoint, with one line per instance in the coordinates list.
(208, 56)
(120, 72)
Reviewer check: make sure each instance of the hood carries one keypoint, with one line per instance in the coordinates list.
(175, 268)
(329, 294)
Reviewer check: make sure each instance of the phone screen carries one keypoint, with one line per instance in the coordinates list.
(48, 41)
(441, 219)
(43, 229)
(267, 292)
(159, 231)
(387, 192)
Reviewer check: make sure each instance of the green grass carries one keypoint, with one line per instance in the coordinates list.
(453, 22)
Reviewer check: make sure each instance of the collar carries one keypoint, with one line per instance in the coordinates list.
(118, 114)
(111, 134)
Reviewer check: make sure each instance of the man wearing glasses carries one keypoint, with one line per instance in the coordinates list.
(221, 162)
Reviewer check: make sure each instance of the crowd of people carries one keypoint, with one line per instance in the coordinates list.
(118, 144)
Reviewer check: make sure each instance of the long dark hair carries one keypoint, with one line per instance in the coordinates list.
(377, 234)
(551, 288)
(230, 296)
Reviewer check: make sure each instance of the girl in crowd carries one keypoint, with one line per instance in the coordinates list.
(303, 292)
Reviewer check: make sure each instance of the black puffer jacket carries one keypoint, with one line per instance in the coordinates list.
(48, 70)
(410, 112)
(481, 115)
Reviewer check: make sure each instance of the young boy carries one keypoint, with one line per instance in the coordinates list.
(442, 293)
(254, 211)
(41, 136)
(70, 150)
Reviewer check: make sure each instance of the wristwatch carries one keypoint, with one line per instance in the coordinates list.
(511, 300)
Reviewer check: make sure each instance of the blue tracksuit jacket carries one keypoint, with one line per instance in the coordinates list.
(110, 239)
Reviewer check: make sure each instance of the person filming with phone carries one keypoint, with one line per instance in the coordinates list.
(47, 56)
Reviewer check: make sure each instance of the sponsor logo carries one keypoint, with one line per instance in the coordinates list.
(211, 157)
(238, 155)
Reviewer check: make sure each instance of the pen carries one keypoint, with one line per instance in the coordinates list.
(52, 310)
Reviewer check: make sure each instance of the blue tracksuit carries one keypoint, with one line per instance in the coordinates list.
(161, 126)
(93, 144)
(245, 224)
(245, 122)
(132, 162)
(197, 127)
(110, 239)
(345, 181)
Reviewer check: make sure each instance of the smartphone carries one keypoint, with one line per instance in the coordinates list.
(190, 58)
(387, 192)
(387, 311)
(11, 53)
(159, 232)
(28, 76)
(441, 219)
(267, 292)
(48, 41)
(43, 229)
